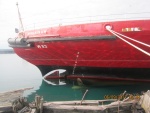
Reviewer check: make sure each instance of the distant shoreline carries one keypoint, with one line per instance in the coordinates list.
(7, 51)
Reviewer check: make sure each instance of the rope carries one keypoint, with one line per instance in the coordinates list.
(116, 34)
(132, 39)
(84, 96)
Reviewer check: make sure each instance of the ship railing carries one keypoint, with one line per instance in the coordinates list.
(86, 19)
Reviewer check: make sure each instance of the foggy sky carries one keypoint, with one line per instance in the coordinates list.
(40, 13)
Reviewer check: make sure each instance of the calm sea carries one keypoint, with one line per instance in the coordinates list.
(16, 73)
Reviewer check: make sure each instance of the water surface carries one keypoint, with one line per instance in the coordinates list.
(16, 73)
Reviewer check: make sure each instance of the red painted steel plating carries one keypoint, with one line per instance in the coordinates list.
(89, 53)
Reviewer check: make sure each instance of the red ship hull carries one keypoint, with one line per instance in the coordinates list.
(89, 47)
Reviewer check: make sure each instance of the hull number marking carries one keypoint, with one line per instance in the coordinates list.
(41, 46)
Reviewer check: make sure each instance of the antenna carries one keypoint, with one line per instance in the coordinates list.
(21, 25)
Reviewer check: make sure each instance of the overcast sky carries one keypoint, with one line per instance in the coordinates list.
(40, 13)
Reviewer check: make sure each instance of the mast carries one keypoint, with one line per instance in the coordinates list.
(21, 24)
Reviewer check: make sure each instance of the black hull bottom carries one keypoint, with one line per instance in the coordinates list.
(135, 73)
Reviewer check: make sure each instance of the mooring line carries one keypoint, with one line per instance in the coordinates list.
(141, 50)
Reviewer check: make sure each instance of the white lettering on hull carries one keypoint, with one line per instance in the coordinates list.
(42, 46)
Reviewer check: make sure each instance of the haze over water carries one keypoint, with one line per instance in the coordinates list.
(16, 73)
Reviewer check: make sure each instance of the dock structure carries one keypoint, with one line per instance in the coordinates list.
(125, 105)
(88, 106)
(80, 106)
(145, 101)
(6, 98)
(9, 97)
